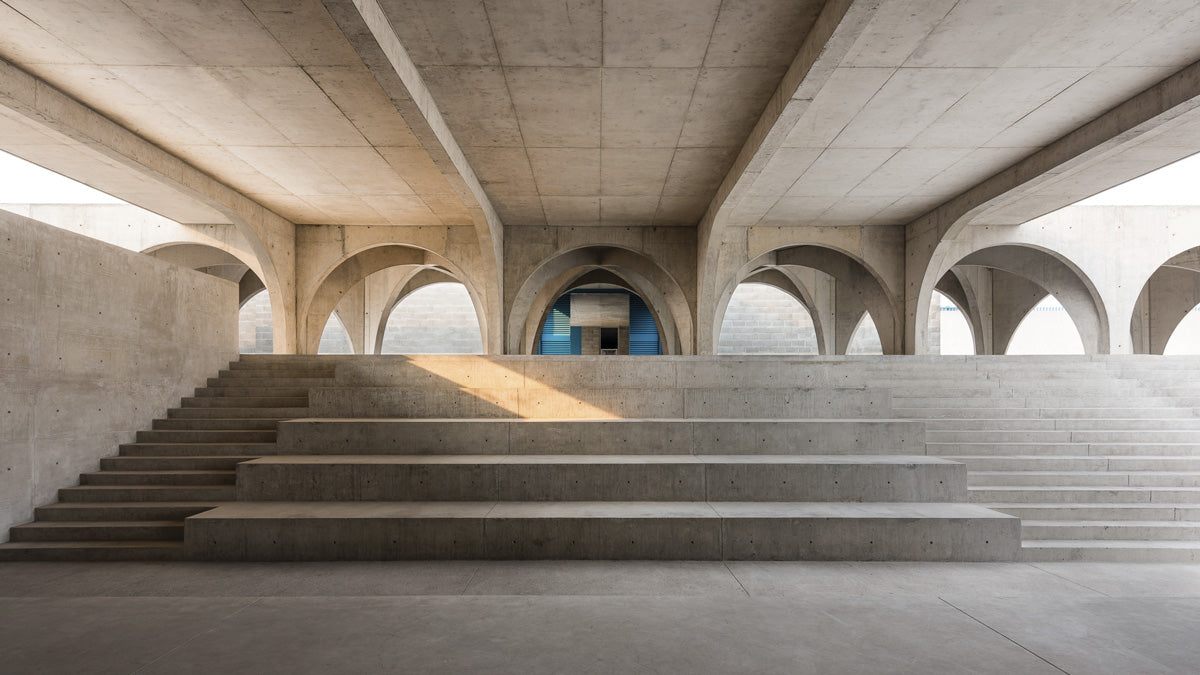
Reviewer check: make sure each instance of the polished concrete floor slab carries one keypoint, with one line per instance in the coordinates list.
(599, 617)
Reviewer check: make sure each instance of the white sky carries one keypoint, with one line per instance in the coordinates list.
(1175, 184)
(25, 183)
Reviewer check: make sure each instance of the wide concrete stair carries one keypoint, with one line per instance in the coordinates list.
(610, 458)
(1100, 456)
(134, 506)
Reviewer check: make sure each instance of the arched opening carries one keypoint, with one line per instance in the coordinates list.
(1046, 329)
(335, 339)
(948, 332)
(864, 341)
(617, 268)
(255, 327)
(762, 319)
(1185, 339)
(435, 319)
(599, 318)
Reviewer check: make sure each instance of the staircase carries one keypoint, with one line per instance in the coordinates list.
(1099, 457)
(134, 507)
(671, 457)
(600, 458)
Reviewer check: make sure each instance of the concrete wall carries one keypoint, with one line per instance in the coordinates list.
(95, 342)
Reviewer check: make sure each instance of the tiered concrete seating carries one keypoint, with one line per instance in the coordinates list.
(680, 459)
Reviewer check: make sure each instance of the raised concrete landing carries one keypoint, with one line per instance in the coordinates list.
(602, 478)
(261, 531)
(603, 436)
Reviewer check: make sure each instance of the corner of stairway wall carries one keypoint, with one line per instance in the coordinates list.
(99, 342)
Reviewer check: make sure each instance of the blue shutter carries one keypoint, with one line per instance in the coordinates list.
(556, 332)
(643, 333)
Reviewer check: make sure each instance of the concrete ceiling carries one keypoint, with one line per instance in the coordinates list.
(937, 95)
(585, 112)
(267, 96)
(621, 112)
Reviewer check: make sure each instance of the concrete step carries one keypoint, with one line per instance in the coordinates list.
(1049, 478)
(988, 424)
(1063, 436)
(158, 477)
(672, 478)
(245, 402)
(91, 551)
(237, 413)
(120, 511)
(1006, 449)
(267, 391)
(600, 530)
(220, 424)
(1098, 511)
(1063, 449)
(205, 436)
(243, 381)
(997, 436)
(1151, 424)
(155, 530)
(991, 494)
(604, 436)
(982, 463)
(197, 449)
(1081, 401)
(981, 412)
(1110, 551)
(173, 463)
(1097, 530)
(139, 493)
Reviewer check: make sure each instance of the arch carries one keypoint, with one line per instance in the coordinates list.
(553, 276)
(412, 281)
(1042, 270)
(772, 309)
(444, 327)
(1059, 345)
(1165, 300)
(222, 261)
(575, 278)
(352, 269)
(1185, 338)
(327, 336)
(961, 314)
(857, 288)
(865, 334)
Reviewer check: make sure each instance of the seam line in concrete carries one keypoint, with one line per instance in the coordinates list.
(1071, 581)
(968, 615)
(735, 578)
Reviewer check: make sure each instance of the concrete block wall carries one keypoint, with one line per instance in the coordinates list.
(435, 319)
(95, 342)
(761, 319)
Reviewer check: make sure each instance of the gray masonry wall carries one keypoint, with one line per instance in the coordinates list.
(434, 319)
(761, 319)
(95, 342)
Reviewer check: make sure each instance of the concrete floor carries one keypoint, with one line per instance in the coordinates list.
(599, 617)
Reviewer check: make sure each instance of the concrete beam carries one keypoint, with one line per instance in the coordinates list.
(367, 28)
(839, 25)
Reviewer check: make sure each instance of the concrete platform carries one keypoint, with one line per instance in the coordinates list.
(601, 530)
(602, 478)
(601, 436)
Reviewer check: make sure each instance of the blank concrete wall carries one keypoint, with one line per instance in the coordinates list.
(95, 342)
